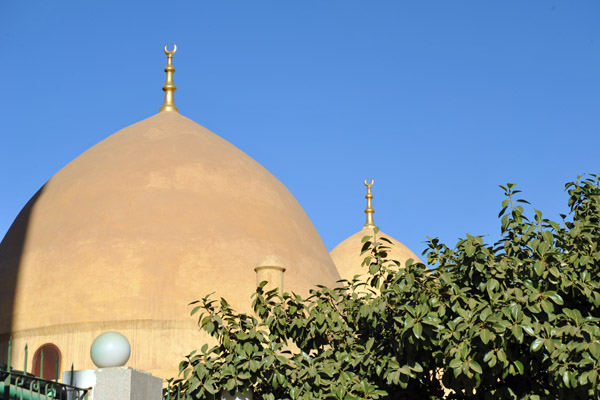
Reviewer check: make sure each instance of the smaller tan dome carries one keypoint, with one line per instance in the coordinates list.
(346, 255)
(348, 260)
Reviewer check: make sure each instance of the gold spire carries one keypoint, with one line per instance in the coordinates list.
(169, 87)
(369, 210)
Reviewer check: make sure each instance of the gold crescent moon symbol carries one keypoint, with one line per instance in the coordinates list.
(369, 184)
(167, 52)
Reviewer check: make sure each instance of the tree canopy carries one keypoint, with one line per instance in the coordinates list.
(518, 319)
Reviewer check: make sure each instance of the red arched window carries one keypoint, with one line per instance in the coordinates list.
(52, 359)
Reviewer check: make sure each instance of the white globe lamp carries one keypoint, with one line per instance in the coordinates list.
(110, 349)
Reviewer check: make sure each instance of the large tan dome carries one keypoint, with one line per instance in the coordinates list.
(157, 215)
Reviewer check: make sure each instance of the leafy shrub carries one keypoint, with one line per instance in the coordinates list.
(515, 320)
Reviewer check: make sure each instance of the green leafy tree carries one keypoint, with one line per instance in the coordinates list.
(518, 319)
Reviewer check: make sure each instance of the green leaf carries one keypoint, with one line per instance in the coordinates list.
(491, 285)
(536, 345)
(528, 329)
(520, 367)
(244, 375)
(517, 332)
(195, 310)
(294, 393)
(594, 348)
(583, 378)
(502, 211)
(488, 356)
(210, 327)
(320, 318)
(374, 268)
(486, 336)
(418, 330)
(417, 368)
(539, 267)
(556, 298)
(457, 371)
(339, 392)
(514, 310)
(501, 355)
(209, 386)
(466, 369)
(592, 376)
(547, 306)
(476, 367)
(365, 247)
(248, 348)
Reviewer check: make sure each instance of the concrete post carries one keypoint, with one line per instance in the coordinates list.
(117, 383)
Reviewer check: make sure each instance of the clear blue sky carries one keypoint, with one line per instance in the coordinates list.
(439, 101)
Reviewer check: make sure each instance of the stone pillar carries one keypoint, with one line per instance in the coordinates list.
(117, 383)
(270, 269)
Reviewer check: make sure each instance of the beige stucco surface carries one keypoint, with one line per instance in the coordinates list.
(348, 260)
(157, 215)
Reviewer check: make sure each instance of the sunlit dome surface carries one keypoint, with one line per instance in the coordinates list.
(155, 216)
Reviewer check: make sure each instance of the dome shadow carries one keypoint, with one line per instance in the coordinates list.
(11, 253)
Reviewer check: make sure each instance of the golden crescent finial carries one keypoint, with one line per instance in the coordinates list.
(167, 52)
(169, 86)
(369, 210)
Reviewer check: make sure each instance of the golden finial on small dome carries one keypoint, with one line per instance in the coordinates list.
(169, 86)
(369, 210)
